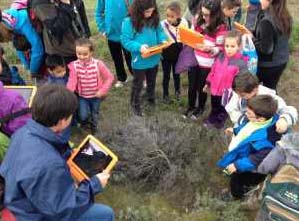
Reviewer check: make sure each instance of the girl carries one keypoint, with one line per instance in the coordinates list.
(230, 9)
(91, 79)
(210, 23)
(272, 33)
(170, 55)
(15, 26)
(140, 31)
(109, 16)
(227, 65)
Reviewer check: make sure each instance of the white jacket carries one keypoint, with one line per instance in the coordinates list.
(236, 108)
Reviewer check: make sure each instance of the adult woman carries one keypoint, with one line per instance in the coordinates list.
(272, 32)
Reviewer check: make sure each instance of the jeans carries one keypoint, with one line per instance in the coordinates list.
(97, 212)
(89, 106)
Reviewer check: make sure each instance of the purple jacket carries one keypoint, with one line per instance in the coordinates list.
(10, 102)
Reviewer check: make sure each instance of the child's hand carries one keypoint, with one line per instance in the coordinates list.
(206, 89)
(229, 131)
(231, 168)
(143, 49)
(281, 125)
(99, 95)
(203, 47)
(103, 177)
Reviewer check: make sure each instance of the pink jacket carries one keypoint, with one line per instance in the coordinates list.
(223, 72)
(206, 59)
(105, 78)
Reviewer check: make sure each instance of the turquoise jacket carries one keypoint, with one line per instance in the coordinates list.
(132, 41)
(109, 15)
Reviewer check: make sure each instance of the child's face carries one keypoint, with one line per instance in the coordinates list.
(230, 12)
(252, 117)
(58, 71)
(247, 96)
(265, 4)
(83, 53)
(172, 16)
(148, 12)
(231, 46)
(206, 13)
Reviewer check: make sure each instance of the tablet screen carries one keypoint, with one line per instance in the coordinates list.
(92, 159)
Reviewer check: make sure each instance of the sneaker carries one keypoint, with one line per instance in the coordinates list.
(226, 195)
(166, 99)
(144, 84)
(119, 84)
(196, 114)
(208, 124)
(188, 113)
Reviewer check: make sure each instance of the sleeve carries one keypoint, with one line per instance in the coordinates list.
(72, 81)
(289, 113)
(220, 38)
(99, 16)
(161, 34)
(64, 200)
(264, 44)
(127, 37)
(37, 48)
(84, 19)
(233, 110)
(107, 76)
(243, 67)
(272, 162)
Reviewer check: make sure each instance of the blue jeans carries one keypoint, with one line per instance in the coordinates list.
(98, 212)
(89, 106)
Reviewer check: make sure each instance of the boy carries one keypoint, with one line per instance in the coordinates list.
(39, 186)
(57, 70)
(253, 140)
(230, 9)
(246, 86)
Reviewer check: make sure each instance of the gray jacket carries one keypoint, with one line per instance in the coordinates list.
(286, 152)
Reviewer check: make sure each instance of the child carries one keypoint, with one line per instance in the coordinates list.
(91, 79)
(170, 55)
(252, 142)
(227, 65)
(252, 11)
(39, 186)
(209, 23)
(57, 70)
(109, 16)
(5, 73)
(246, 86)
(230, 8)
(139, 32)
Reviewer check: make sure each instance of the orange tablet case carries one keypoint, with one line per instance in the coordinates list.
(241, 28)
(190, 37)
(155, 50)
(78, 174)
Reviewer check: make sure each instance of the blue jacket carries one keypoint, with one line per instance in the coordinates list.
(39, 186)
(19, 21)
(57, 80)
(109, 16)
(254, 2)
(132, 41)
(251, 151)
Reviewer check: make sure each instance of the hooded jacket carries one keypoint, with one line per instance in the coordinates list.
(39, 186)
(11, 102)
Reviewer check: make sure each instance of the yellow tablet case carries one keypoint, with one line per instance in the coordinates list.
(241, 28)
(78, 174)
(190, 37)
(28, 92)
(155, 50)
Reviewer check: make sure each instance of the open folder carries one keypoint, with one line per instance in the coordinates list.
(241, 28)
(155, 50)
(90, 158)
(190, 37)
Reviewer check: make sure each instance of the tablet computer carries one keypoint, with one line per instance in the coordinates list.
(241, 28)
(90, 158)
(155, 50)
(190, 37)
(28, 92)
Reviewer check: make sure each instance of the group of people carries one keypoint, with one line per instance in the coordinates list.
(52, 35)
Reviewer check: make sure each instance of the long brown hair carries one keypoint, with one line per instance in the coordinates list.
(137, 14)
(5, 33)
(281, 15)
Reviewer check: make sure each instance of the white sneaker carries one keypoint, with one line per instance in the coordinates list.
(119, 84)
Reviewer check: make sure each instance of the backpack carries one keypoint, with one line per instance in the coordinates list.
(281, 196)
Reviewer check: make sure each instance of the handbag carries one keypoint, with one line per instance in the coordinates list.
(249, 51)
(186, 60)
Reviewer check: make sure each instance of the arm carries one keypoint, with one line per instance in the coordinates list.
(72, 81)
(107, 77)
(264, 44)
(64, 200)
(99, 16)
(233, 110)
(82, 12)
(289, 113)
(161, 34)
(127, 37)
(272, 162)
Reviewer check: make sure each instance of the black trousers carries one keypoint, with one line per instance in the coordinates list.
(270, 76)
(197, 79)
(117, 51)
(168, 66)
(218, 112)
(139, 75)
(240, 183)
